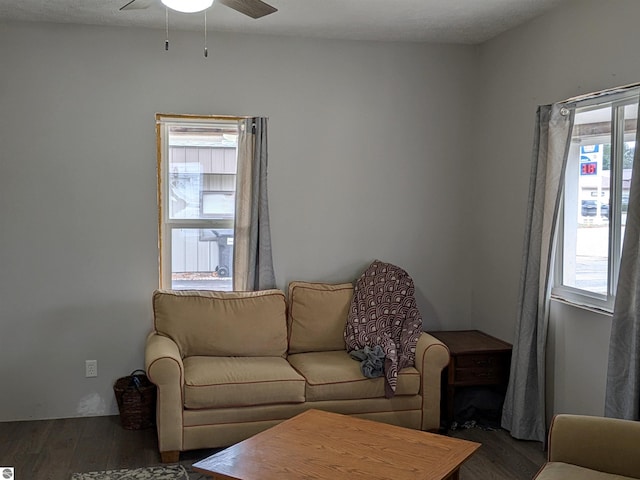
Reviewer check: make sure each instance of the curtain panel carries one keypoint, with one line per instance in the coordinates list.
(622, 398)
(523, 412)
(253, 263)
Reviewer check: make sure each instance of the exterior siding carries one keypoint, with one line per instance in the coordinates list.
(217, 166)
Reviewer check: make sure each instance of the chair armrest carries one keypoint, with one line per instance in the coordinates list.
(165, 369)
(163, 360)
(606, 444)
(432, 356)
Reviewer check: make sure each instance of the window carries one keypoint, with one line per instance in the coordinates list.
(595, 200)
(196, 194)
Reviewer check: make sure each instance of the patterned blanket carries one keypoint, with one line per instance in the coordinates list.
(383, 312)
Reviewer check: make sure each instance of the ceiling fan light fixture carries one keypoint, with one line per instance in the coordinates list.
(188, 6)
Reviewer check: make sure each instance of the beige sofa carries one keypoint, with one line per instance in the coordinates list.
(592, 448)
(230, 364)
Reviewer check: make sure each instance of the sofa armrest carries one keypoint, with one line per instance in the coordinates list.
(597, 443)
(432, 356)
(165, 369)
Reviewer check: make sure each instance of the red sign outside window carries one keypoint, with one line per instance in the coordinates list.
(589, 168)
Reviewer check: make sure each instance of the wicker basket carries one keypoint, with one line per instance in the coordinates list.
(136, 397)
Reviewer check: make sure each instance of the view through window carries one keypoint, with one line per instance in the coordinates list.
(197, 182)
(596, 198)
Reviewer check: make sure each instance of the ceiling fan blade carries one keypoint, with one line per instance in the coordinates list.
(252, 8)
(136, 5)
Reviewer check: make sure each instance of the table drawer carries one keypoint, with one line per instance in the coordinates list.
(479, 375)
(481, 369)
(481, 361)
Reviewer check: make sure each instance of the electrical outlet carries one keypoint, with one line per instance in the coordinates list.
(91, 368)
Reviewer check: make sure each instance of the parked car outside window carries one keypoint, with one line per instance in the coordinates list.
(590, 208)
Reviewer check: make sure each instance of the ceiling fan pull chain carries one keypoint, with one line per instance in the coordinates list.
(206, 51)
(166, 22)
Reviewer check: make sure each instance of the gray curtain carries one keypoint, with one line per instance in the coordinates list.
(523, 412)
(622, 398)
(252, 263)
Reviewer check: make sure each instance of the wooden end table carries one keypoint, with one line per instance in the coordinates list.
(323, 445)
(476, 359)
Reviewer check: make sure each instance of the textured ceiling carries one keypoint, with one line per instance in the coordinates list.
(442, 21)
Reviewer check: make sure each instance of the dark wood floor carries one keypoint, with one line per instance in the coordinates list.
(500, 457)
(54, 449)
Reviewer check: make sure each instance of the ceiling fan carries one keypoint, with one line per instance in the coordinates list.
(251, 8)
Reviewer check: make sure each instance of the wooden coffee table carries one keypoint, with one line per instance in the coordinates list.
(322, 445)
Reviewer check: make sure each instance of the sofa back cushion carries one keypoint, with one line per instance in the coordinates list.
(317, 316)
(244, 324)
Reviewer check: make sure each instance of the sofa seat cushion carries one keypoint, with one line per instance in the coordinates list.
(336, 376)
(567, 471)
(218, 382)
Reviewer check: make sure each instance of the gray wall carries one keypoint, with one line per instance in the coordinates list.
(432, 145)
(588, 45)
(383, 125)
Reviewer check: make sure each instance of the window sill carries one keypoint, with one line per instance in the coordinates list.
(581, 306)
